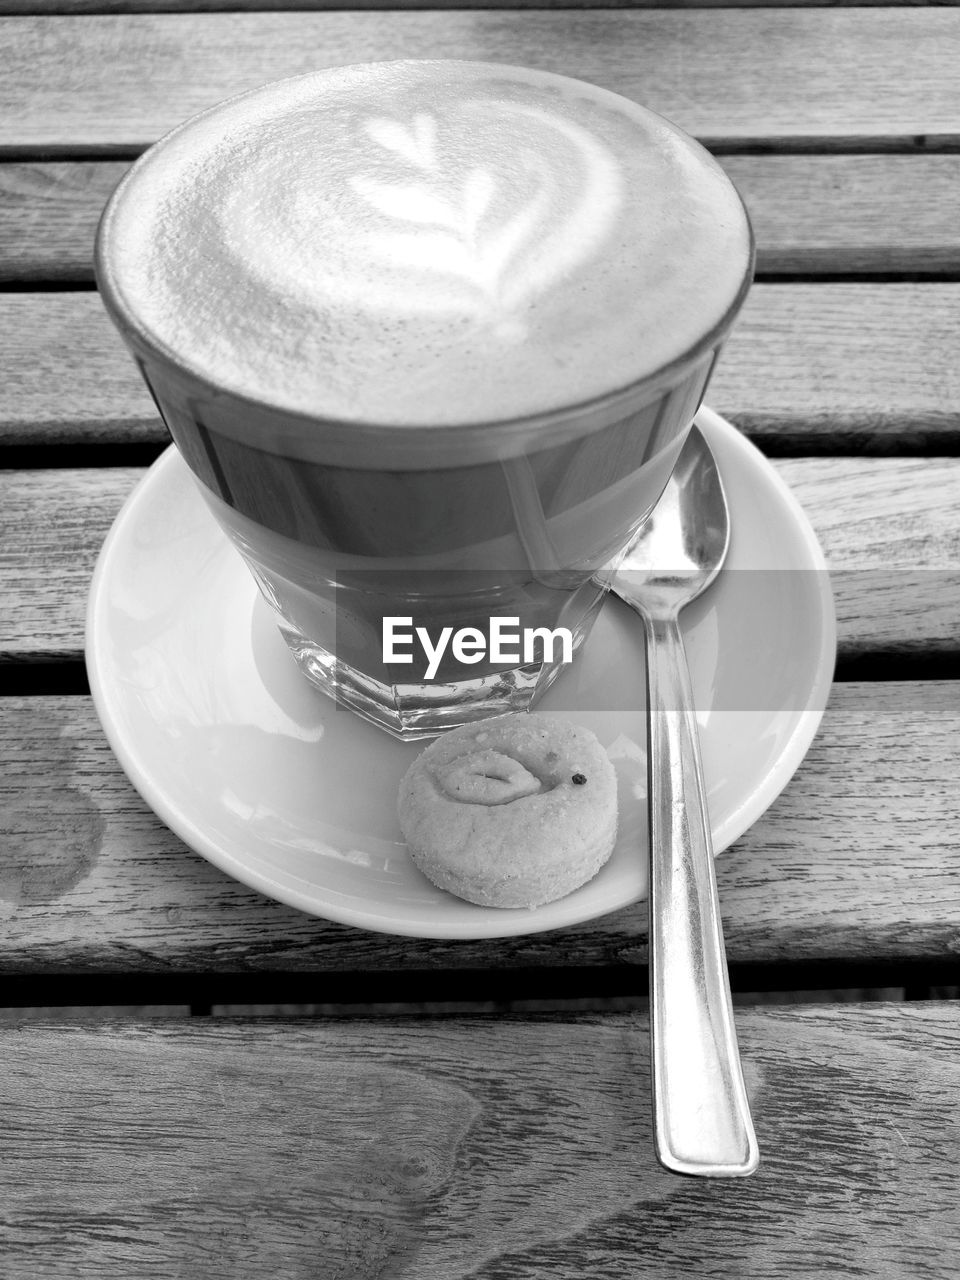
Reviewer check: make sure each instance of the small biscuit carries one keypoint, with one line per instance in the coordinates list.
(511, 812)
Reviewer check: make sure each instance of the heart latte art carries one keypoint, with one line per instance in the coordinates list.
(465, 215)
(427, 243)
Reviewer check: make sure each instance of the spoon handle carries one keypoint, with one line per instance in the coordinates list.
(701, 1114)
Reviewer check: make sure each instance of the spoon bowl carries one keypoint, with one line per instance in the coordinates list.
(682, 545)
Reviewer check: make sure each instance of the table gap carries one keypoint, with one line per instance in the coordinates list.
(38, 679)
(372, 992)
(42, 676)
(60, 284)
(776, 442)
(806, 145)
(54, 8)
(19, 1015)
(934, 275)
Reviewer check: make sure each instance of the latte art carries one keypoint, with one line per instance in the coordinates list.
(478, 243)
(464, 215)
(427, 243)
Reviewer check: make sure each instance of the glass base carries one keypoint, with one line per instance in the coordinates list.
(423, 710)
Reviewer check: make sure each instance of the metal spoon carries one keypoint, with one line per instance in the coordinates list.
(702, 1120)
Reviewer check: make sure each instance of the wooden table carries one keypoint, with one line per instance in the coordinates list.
(481, 1109)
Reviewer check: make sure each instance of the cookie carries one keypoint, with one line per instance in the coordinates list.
(515, 811)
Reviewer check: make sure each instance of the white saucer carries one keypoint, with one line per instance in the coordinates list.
(294, 796)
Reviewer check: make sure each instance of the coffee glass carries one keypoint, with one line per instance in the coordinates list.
(429, 336)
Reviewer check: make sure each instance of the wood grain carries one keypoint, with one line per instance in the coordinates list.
(75, 82)
(69, 378)
(480, 1148)
(48, 218)
(844, 365)
(855, 862)
(850, 213)
(890, 527)
(55, 523)
(859, 366)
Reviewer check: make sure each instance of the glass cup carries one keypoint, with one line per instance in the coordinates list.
(430, 487)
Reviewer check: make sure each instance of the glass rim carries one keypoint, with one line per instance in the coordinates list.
(550, 426)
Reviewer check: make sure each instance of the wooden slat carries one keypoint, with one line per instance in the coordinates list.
(862, 365)
(856, 364)
(81, 82)
(475, 1148)
(856, 861)
(48, 218)
(891, 529)
(812, 214)
(54, 525)
(68, 377)
(851, 213)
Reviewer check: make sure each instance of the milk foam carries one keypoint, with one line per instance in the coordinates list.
(427, 216)
(426, 243)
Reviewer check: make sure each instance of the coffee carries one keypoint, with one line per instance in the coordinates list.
(426, 317)
(428, 243)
